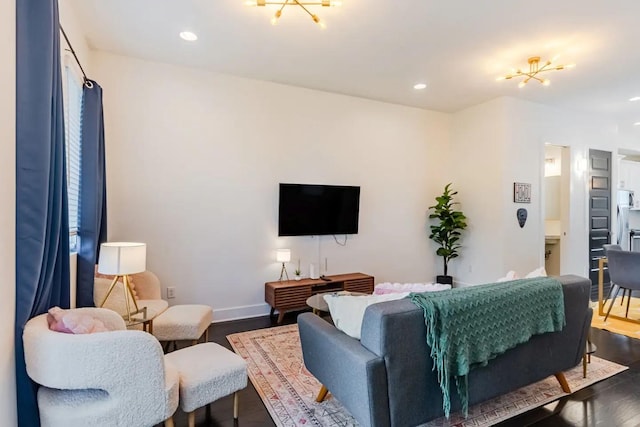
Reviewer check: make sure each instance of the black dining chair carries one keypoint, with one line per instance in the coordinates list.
(607, 248)
(624, 271)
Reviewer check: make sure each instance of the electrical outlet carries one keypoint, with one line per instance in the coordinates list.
(171, 292)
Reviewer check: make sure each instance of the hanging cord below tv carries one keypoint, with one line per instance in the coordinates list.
(345, 240)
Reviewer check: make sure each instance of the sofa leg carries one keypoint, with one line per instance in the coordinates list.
(168, 422)
(192, 418)
(322, 394)
(563, 382)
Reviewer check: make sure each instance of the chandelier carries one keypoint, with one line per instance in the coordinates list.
(302, 4)
(534, 70)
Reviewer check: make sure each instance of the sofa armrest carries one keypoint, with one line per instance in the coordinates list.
(353, 374)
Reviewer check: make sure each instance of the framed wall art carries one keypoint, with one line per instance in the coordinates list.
(521, 192)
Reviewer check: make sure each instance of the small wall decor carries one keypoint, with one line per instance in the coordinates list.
(521, 192)
(521, 214)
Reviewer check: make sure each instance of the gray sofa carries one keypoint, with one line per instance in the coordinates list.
(386, 378)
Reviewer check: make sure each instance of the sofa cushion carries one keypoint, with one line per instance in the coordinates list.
(347, 311)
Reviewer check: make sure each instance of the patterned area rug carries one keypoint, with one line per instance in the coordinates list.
(617, 326)
(288, 390)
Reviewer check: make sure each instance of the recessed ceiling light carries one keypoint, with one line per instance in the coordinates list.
(188, 36)
(635, 98)
(420, 86)
(636, 124)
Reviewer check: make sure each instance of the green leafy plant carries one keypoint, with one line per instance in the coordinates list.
(297, 272)
(446, 231)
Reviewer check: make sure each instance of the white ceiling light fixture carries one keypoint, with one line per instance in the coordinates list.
(636, 124)
(534, 70)
(420, 86)
(635, 98)
(188, 36)
(301, 3)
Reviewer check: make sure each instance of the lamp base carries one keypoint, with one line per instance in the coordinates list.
(283, 273)
(127, 292)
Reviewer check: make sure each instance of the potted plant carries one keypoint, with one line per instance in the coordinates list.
(297, 273)
(447, 229)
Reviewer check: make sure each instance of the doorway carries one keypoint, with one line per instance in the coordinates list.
(556, 205)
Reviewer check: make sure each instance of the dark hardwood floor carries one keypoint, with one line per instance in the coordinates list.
(614, 402)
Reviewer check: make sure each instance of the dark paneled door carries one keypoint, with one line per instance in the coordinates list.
(599, 213)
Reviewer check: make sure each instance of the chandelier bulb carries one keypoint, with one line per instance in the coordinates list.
(546, 82)
(522, 84)
(274, 20)
(318, 21)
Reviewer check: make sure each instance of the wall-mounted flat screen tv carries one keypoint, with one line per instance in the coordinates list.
(314, 210)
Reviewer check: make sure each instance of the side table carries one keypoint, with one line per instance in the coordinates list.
(139, 317)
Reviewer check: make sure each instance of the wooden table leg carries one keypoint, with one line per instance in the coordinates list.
(322, 394)
(280, 316)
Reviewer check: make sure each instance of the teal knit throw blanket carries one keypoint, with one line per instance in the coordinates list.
(467, 327)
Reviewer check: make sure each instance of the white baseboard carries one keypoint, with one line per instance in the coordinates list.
(242, 312)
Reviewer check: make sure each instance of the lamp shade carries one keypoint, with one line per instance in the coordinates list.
(283, 255)
(120, 258)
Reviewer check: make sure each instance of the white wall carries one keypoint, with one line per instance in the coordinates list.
(477, 171)
(74, 30)
(193, 165)
(518, 131)
(7, 211)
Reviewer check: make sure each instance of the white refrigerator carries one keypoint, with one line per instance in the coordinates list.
(625, 202)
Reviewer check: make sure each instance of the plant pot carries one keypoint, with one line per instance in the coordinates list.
(445, 280)
(298, 277)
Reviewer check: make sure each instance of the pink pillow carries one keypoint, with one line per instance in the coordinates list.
(72, 322)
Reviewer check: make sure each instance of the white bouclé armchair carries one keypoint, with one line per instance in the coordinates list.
(115, 378)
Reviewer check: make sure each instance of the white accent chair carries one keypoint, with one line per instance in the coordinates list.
(187, 322)
(146, 286)
(115, 378)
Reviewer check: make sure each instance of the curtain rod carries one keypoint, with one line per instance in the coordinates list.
(87, 82)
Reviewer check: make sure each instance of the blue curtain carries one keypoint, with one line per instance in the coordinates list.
(42, 225)
(93, 193)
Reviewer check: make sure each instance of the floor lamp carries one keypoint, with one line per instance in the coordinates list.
(121, 259)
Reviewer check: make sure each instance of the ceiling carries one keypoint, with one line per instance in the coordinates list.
(378, 49)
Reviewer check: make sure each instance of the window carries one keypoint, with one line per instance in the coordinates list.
(73, 86)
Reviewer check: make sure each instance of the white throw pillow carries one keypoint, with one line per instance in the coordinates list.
(347, 311)
(511, 275)
(538, 272)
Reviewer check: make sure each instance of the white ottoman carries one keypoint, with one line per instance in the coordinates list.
(207, 372)
(183, 322)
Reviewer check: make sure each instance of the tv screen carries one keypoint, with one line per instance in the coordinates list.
(314, 210)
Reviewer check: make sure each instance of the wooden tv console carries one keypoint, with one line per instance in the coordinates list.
(289, 295)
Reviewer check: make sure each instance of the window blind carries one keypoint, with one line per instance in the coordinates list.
(73, 130)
